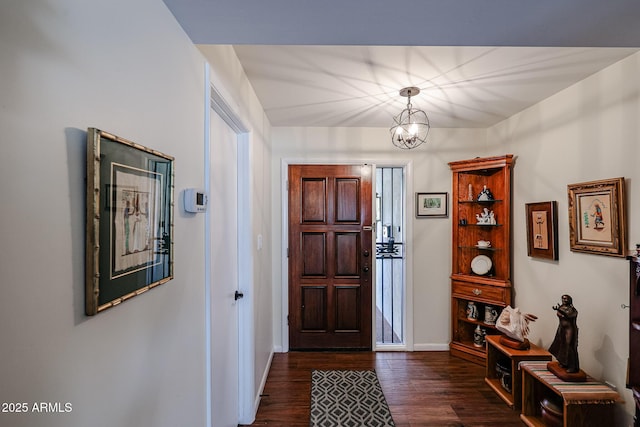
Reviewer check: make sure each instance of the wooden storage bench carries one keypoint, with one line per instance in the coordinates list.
(584, 404)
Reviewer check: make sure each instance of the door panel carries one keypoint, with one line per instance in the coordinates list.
(314, 202)
(347, 319)
(314, 308)
(329, 257)
(314, 254)
(347, 250)
(347, 200)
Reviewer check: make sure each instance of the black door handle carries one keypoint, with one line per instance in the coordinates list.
(238, 295)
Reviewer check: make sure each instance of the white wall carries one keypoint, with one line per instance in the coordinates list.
(128, 68)
(228, 77)
(430, 259)
(587, 132)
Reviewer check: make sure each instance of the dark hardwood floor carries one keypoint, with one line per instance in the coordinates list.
(421, 388)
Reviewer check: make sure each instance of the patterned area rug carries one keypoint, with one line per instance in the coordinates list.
(348, 398)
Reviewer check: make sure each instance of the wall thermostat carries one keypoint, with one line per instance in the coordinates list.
(195, 200)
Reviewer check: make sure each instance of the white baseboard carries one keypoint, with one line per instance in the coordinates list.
(388, 347)
(263, 382)
(431, 347)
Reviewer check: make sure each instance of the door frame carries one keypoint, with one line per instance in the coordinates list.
(284, 291)
(215, 103)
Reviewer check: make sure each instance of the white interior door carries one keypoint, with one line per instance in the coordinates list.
(223, 226)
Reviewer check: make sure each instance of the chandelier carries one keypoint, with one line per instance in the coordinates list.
(411, 126)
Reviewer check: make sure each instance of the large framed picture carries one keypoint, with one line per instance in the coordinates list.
(597, 221)
(542, 230)
(432, 205)
(129, 244)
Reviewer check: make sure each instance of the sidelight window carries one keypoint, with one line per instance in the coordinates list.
(390, 250)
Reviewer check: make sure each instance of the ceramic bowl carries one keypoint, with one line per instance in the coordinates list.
(551, 413)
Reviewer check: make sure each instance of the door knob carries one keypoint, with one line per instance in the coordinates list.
(365, 268)
(365, 253)
(238, 295)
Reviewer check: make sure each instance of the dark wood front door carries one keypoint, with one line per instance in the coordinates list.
(330, 258)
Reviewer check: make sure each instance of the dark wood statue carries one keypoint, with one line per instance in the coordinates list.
(565, 343)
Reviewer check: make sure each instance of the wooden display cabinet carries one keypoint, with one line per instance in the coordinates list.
(633, 363)
(492, 287)
(511, 357)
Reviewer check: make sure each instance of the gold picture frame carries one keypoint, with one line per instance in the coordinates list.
(597, 219)
(129, 242)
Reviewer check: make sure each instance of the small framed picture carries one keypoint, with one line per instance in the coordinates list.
(432, 205)
(597, 221)
(542, 230)
(129, 245)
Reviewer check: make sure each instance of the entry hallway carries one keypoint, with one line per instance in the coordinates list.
(422, 389)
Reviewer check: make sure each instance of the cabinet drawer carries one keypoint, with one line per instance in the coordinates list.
(480, 292)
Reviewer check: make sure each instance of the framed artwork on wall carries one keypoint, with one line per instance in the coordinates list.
(542, 230)
(129, 243)
(597, 222)
(432, 205)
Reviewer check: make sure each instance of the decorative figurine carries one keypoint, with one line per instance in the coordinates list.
(472, 311)
(487, 217)
(490, 315)
(515, 325)
(479, 336)
(565, 344)
(485, 195)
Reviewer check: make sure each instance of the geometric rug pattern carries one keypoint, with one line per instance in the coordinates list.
(348, 398)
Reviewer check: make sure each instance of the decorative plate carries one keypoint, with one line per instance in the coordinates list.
(481, 265)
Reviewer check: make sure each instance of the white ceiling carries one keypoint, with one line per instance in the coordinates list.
(477, 62)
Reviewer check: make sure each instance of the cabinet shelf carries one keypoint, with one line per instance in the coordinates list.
(485, 280)
(481, 248)
(471, 345)
(494, 288)
(477, 322)
(480, 202)
(468, 351)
